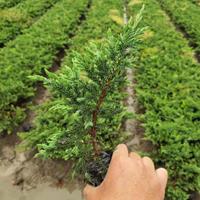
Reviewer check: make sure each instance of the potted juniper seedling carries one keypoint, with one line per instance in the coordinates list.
(83, 122)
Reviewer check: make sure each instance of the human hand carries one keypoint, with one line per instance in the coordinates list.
(129, 177)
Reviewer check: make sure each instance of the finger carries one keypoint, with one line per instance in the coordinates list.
(148, 163)
(89, 192)
(135, 156)
(162, 177)
(121, 151)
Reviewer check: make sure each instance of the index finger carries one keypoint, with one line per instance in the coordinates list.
(121, 151)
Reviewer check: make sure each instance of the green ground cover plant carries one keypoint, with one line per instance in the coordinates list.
(9, 3)
(14, 20)
(29, 54)
(186, 15)
(168, 85)
(86, 114)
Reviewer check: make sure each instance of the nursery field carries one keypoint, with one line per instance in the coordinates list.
(63, 85)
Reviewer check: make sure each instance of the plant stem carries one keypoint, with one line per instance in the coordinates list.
(93, 131)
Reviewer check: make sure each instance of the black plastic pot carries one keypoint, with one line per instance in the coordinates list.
(97, 169)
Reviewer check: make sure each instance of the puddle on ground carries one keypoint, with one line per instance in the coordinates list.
(42, 192)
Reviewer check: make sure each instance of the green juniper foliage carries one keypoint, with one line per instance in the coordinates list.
(90, 104)
(16, 19)
(9, 3)
(185, 14)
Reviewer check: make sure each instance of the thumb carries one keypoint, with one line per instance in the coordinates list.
(90, 192)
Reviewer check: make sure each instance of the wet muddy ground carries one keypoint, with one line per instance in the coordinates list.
(23, 177)
(43, 191)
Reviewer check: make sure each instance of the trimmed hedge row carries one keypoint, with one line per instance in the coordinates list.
(50, 124)
(30, 53)
(168, 85)
(14, 20)
(186, 15)
(9, 3)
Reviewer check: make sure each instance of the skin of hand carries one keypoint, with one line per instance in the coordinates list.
(129, 177)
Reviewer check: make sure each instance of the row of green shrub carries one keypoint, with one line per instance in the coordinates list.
(52, 133)
(14, 20)
(168, 85)
(186, 15)
(30, 53)
(9, 3)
